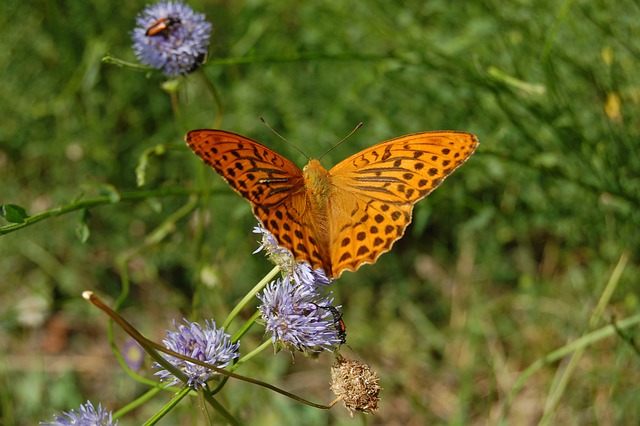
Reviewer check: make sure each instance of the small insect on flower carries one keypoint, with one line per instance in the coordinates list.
(171, 37)
(87, 416)
(290, 314)
(338, 322)
(162, 26)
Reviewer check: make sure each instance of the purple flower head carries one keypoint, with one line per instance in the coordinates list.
(301, 272)
(304, 275)
(171, 37)
(209, 345)
(87, 416)
(293, 315)
(133, 354)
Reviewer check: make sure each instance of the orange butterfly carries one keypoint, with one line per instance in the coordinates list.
(344, 217)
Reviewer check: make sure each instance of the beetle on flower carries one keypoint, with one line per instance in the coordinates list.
(171, 37)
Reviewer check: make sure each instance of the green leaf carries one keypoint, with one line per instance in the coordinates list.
(155, 204)
(143, 162)
(141, 169)
(13, 213)
(82, 230)
(110, 191)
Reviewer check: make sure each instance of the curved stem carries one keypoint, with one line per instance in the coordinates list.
(152, 348)
(94, 202)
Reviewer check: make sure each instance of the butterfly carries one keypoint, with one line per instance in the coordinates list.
(341, 218)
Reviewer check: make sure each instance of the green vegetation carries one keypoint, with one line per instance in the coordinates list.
(530, 246)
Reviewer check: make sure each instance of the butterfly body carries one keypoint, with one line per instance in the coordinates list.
(317, 180)
(340, 218)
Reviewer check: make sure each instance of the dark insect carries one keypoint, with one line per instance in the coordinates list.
(338, 322)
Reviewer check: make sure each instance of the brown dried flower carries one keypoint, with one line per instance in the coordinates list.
(356, 385)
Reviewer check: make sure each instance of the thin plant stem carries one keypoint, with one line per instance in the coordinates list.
(561, 385)
(582, 342)
(220, 408)
(250, 295)
(217, 121)
(247, 325)
(151, 347)
(157, 235)
(94, 202)
(251, 354)
(138, 401)
(168, 407)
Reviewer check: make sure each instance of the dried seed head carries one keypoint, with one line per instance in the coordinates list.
(356, 384)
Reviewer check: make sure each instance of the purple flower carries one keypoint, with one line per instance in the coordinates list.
(171, 37)
(209, 345)
(294, 316)
(133, 354)
(305, 276)
(88, 416)
(301, 272)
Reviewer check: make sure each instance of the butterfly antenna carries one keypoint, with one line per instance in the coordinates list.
(282, 137)
(343, 139)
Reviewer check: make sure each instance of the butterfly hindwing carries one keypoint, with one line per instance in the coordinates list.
(293, 224)
(374, 191)
(367, 228)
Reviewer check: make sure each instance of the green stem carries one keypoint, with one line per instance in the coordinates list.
(97, 201)
(584, 341)
(112, 60)
(552, 34)
(215, 404)
(169, 406)
(217, 121)
(137, 402)
(250, 295)
(157, 235)
(157, 150)
(251, 354)
(296, 57)
(561, 385)
(247, 325)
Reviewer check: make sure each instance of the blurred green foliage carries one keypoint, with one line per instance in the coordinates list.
(502, 265)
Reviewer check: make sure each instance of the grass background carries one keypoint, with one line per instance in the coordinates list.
(503, 264)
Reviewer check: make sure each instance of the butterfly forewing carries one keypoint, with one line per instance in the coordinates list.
(374, 191)
(259, 174)
(272, 184)
(405, 169)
